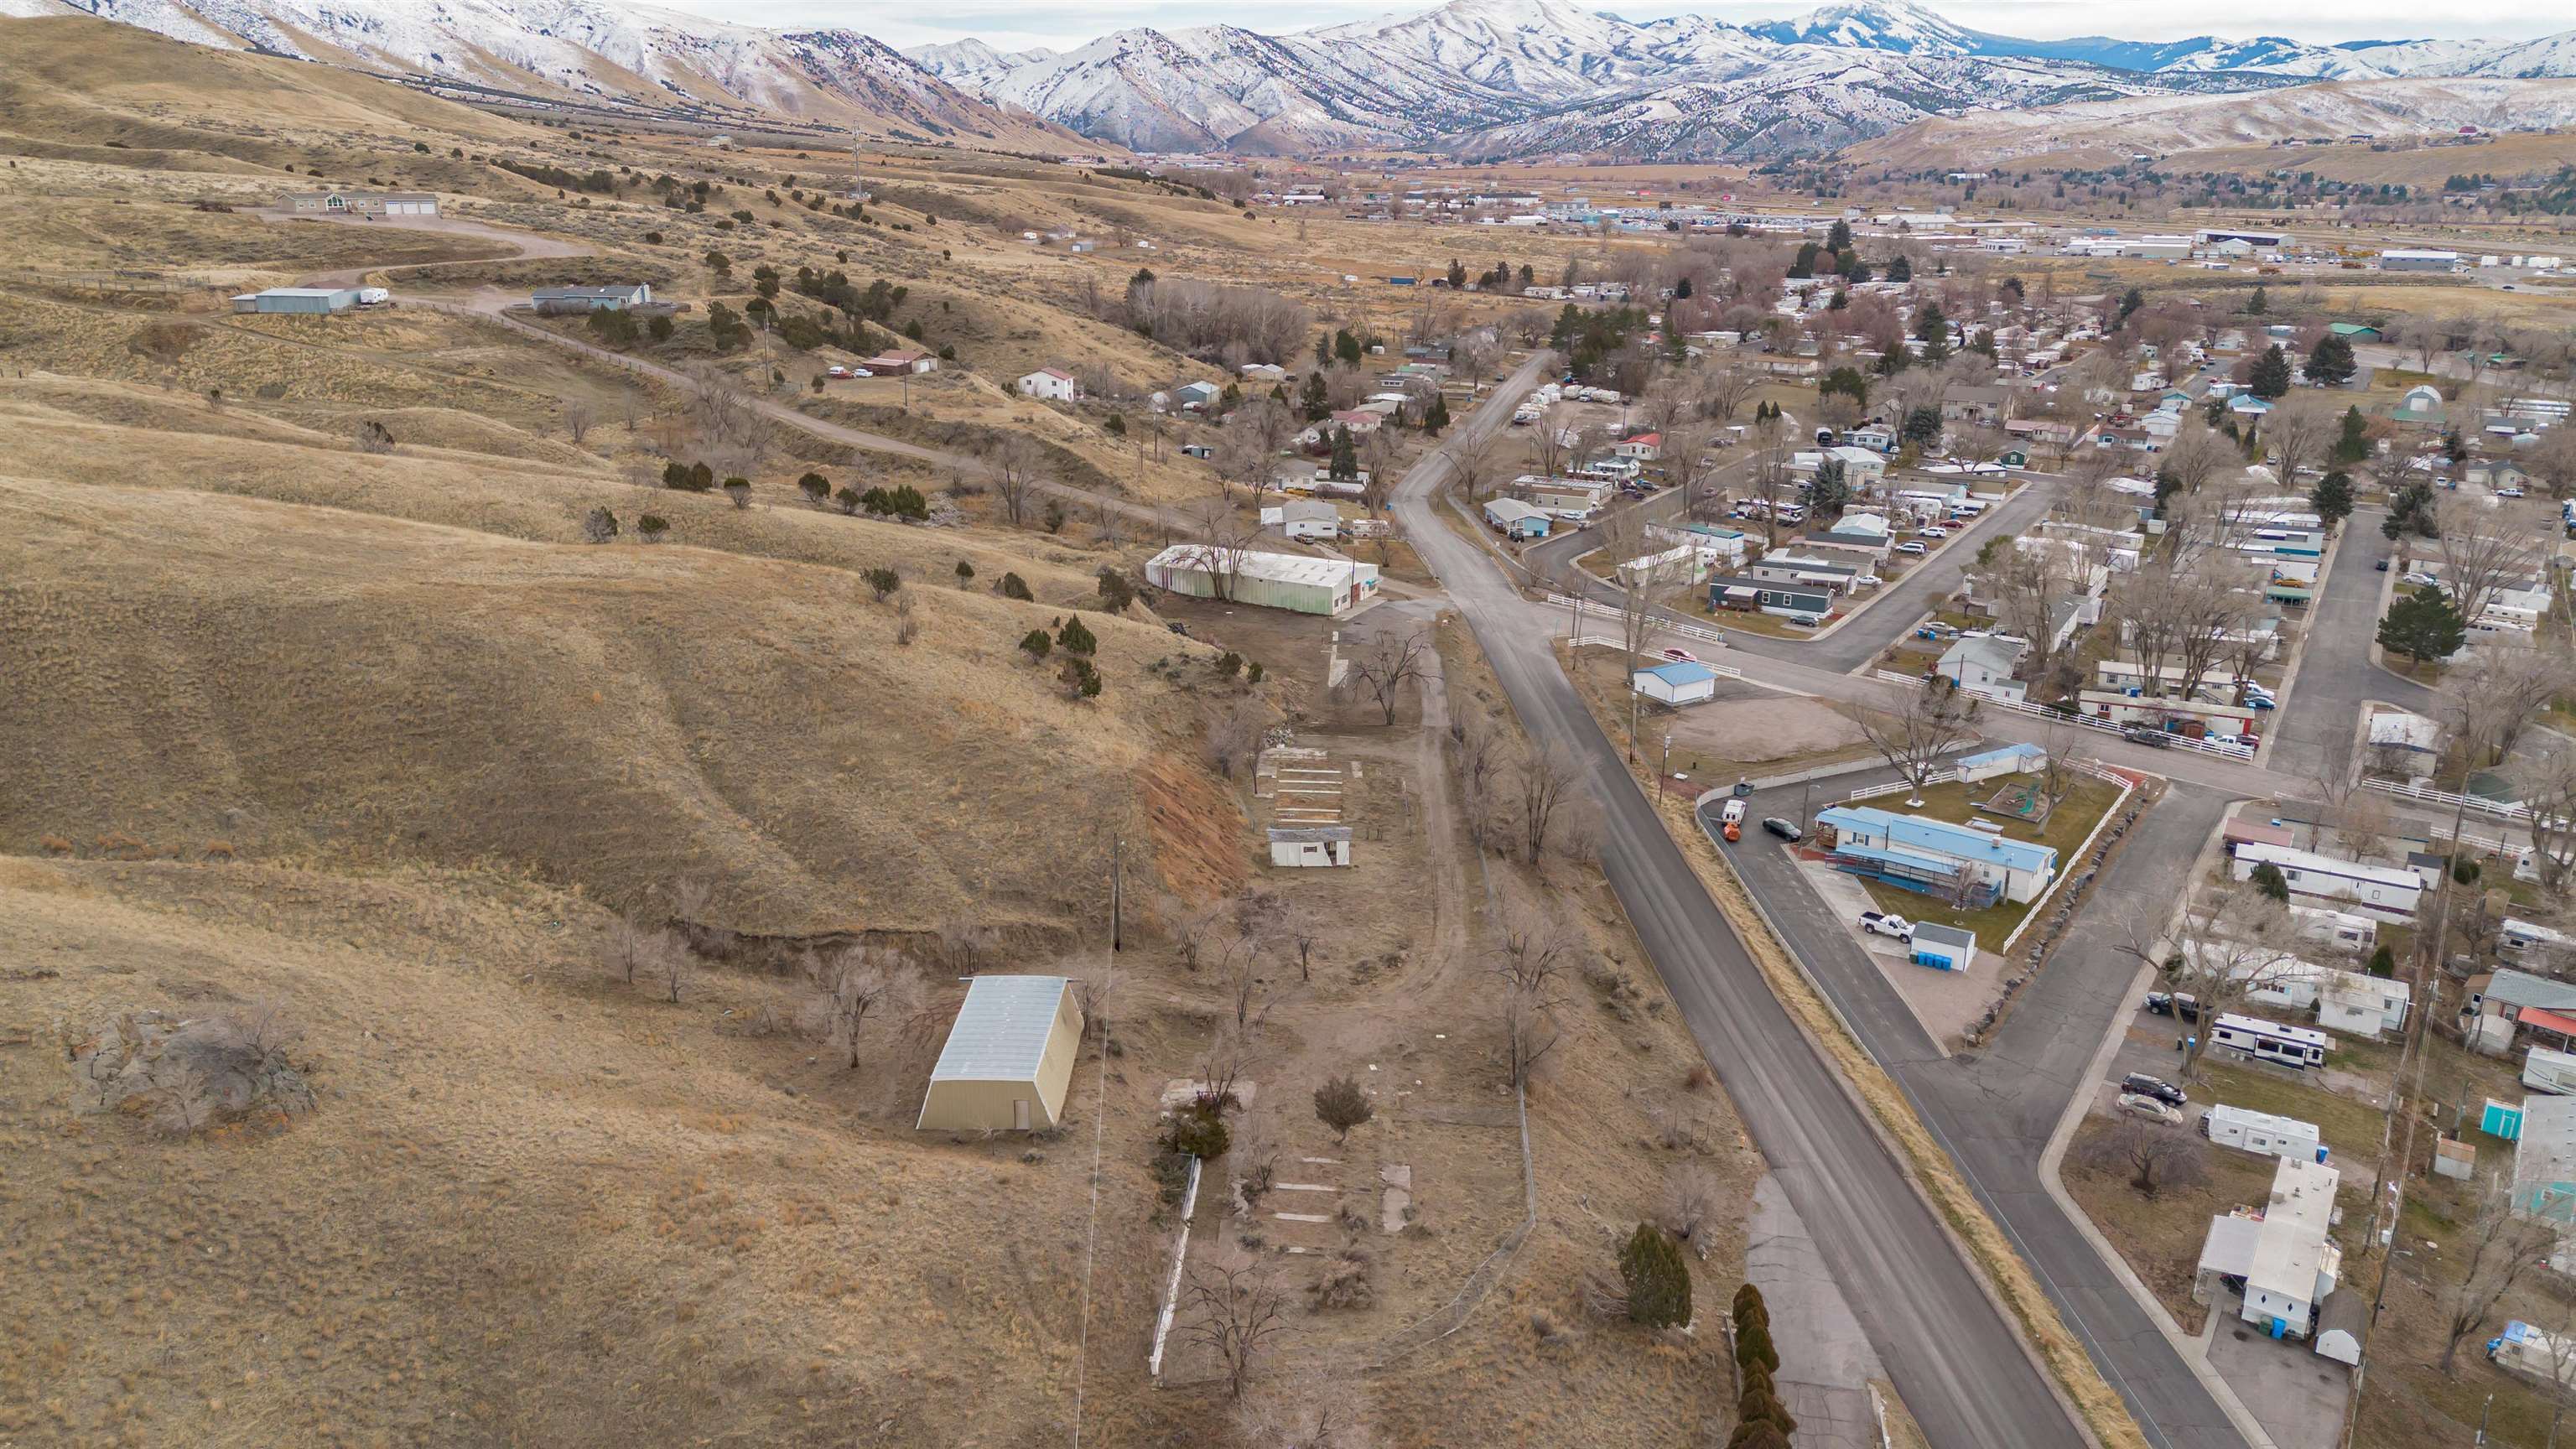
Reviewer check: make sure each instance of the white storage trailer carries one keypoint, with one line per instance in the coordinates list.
(2263, 1133)
(2544, 1070)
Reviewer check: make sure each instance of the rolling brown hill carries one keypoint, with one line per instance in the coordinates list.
(298, 681)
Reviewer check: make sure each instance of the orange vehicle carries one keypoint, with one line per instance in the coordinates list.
(1734, 832)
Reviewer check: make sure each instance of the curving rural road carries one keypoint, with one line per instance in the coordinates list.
(1959, 1365)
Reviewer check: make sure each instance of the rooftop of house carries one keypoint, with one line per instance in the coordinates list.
(1681, 672)
(1940, 837)
(1277, 568)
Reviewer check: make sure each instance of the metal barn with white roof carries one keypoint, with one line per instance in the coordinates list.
(1009, 1058)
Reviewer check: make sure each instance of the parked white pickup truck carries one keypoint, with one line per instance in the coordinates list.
(1882, 923)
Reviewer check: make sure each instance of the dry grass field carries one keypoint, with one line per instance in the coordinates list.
(341, 730)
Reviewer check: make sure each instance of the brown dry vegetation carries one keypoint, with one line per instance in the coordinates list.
(296, 679)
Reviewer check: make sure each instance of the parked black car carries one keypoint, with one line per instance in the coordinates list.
(2382, 566)
(2143, 735)
(1786, 829)
(2165, 1003)
(2156, 1087)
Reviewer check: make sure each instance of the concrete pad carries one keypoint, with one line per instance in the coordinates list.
(2296, 1396)
(1826, 1362)
(1397, 1199)
(1947, 1003)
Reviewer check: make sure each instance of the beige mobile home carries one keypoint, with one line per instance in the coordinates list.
(1009, 1057)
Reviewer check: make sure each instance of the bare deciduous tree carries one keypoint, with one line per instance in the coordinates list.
(1384, 666)
(2154, 1157)
(2495, 550)
(2226, 943)
(846, 989)
(577, 419)
(726, 416)
(1933, 721)
(1012, 464)
(2500, 1245)
(1314, 1410)
(1694, 1199)
(1233, 1307)
(1543, 779)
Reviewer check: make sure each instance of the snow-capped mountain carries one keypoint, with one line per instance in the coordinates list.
(596, 49)
(1483, 77)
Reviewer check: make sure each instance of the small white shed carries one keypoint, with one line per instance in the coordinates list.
(1009, 1058)
(1677, 683)
(1310, 845)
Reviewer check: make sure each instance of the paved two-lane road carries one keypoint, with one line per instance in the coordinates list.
(1957, 1362)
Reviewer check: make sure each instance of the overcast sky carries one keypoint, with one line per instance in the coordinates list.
(1015, 24)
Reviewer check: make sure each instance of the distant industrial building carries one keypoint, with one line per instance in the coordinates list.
(2419, 261)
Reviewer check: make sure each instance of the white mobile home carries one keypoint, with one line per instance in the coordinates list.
(2380, 892)
(2260, 1133)
(1305, 845)
(2545, 1070)
(1271, 580)
(2284, 1256)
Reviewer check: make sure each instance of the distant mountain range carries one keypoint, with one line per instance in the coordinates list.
(1482, 78)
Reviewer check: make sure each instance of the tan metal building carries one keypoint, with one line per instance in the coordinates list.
(1009, 1057)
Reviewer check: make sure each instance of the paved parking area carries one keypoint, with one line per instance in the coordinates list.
(1947, 1003)
(2296, 1396)
(1826, 1362)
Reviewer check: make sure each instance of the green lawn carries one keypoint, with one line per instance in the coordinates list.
(2068, 824)
(2351, 1128)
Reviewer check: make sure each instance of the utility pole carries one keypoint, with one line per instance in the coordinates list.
(1117, 888)
(1666, 769)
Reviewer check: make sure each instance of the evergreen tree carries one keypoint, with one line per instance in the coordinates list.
(1657, 1278)
(1838, 237)
(2330, 363)
(2267, 879)
(2382, 963)
(1036, 644)
(1933, 330)
(1457, 275)
(2130, 302)
(1075, 637)
(2258, 304)
(2423, 625)
(1682, 290)
(1753, 1345)
(1804, 264)
(1436, 416)
(1749, 1308)
(1855, 270)
(2332, 498)
(1923, 426)
(1345, 467)
(1347, 348)
(1317, 400)
(1900, 268)
(2353, 444)
(2271, 375)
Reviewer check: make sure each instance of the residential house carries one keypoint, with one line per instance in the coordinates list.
(1790, 568)
(1051, 385)
(1564, 497)
(1876, 437)
(1745, 595)
(1307, 519)
(550, 300)
(1198, 394)
(1726, 545)
(1954, 862)
(2281, 1254)
(1986, 666)
(1512, 518)
(895, 361)
(1643, 448)
(2382, 892)
(362, 203)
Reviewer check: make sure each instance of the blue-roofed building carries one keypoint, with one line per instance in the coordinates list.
(1680, 682)
(1937, 857)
